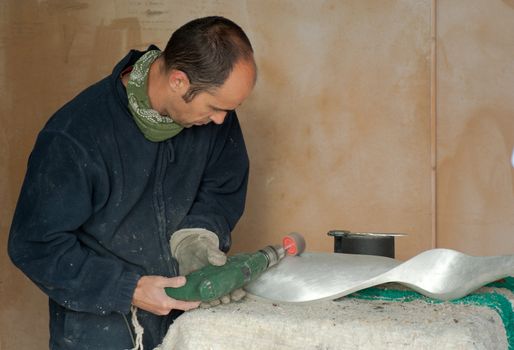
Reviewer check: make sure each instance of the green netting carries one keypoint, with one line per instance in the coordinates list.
(496, 301)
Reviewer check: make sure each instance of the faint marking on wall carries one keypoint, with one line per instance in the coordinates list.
(509, 3)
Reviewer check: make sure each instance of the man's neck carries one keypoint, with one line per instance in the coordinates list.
(154, 79)
(125, 78)
(155, 87)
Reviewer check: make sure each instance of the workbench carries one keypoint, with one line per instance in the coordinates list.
(387, 317)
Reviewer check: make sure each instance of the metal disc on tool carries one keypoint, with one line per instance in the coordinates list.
(294, 243)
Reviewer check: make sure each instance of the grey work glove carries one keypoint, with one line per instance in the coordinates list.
(235, 295)
(195, 248)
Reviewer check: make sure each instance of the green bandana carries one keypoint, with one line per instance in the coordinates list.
(155, 127)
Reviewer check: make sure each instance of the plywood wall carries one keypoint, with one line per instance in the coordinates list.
(476, 126)
(338, 128)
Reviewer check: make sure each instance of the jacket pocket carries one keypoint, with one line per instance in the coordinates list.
(90, 331)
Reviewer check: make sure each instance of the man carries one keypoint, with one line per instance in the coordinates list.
(137, 180)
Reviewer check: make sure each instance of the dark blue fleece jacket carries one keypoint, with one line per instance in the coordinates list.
(100, 202)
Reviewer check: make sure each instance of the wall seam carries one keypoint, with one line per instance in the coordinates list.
(433, 122)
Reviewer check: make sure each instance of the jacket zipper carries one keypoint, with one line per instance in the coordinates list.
(160, 207)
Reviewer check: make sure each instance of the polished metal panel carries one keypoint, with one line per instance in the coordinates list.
(437, 273)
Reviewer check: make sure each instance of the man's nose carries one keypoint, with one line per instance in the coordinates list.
(218, 117)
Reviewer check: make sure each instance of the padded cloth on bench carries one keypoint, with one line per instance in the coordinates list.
(387, 317)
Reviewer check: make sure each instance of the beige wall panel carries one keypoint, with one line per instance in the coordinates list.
(337, 129)
(476, 126)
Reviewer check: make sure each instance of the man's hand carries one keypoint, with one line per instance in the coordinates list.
(150, 295)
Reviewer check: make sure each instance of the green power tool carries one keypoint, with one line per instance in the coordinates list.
(212, 282)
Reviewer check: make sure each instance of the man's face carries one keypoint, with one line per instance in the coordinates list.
(213, 106)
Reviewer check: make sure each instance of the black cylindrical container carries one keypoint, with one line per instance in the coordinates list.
(363, 243)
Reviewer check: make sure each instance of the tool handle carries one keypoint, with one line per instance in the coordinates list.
(213, 282)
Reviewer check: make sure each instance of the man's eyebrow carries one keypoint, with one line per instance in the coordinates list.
(223, 109)
(218, 109)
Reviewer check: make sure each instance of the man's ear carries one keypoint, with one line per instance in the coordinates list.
(178, 81)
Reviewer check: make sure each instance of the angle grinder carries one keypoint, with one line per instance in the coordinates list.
(212, 282)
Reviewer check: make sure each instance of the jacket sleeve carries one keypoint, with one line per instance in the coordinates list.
(220, 200)
(57, 197)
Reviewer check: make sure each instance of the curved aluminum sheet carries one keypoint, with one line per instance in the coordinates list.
(438, 273)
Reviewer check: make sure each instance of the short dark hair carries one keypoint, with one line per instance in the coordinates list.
(206, 50)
